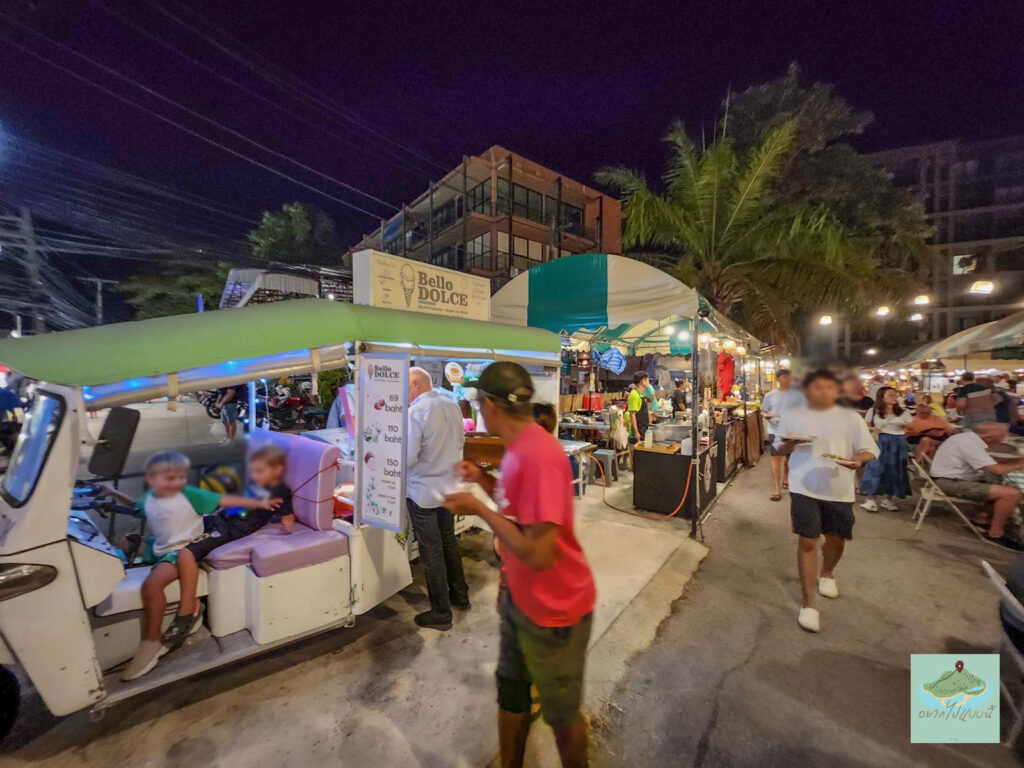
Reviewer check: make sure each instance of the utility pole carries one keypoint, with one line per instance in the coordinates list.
(100, 282)
(28, 236)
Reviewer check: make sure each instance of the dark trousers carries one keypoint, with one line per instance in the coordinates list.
(440, 556)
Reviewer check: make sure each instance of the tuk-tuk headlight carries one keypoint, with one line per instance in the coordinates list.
(18, 578)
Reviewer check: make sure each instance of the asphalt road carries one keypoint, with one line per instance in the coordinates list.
(731, 680)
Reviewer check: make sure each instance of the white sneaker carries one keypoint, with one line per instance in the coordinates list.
(887, 504)
(869, 506)
(146, 657)
(828, 587)
(809, 619)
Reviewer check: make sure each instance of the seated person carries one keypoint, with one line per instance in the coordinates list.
(175, 513)
(274, 498)
(926, 424)
(960, 466)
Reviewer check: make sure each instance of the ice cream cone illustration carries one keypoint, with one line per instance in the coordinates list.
(408, 278)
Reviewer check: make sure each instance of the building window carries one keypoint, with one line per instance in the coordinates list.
(479, 198)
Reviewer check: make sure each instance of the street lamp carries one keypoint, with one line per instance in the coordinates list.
(922, 300)
(982, 287)
(825, 320)
(882, 311)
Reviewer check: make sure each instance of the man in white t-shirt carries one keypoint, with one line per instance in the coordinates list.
(781, 399)
(959, 466)
(821, 488)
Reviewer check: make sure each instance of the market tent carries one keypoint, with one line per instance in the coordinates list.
(613, 300)
(147, 351)
(1002, 340)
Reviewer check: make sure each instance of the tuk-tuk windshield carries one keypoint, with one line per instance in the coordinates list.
(33, 446)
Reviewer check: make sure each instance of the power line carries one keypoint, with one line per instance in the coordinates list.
(281, 80)
(380, 153)
(113, 176)
(198, 115)
(186, 129)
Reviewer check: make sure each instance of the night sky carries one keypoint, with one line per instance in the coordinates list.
(559, 82)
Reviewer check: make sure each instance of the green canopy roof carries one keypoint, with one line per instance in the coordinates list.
(113, 353)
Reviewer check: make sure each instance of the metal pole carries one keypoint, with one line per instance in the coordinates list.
(99, 282)
(460, 259)
(32, 265)
(558, 219)
(510, 202)
(430, 224)
(694, 432)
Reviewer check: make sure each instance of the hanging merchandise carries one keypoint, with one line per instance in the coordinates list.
(613, 361)
(726, 374)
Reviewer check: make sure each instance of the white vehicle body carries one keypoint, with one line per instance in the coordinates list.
(70, 611)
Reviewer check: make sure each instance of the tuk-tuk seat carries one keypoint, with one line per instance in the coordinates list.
(127, 595)
(310, 473)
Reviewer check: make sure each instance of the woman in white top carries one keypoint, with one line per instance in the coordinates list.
(887, 476)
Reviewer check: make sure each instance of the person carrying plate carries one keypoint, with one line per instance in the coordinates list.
(826, 444)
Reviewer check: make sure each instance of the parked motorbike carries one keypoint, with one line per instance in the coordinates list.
(289, 411)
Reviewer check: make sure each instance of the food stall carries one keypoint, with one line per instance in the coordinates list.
(617, 309)
(72, 607)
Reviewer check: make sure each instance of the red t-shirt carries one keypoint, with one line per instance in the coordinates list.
(536, 487)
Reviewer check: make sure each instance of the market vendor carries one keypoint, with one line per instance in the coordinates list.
(636, 407)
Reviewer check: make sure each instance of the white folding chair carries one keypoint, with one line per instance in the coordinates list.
(1014, 608)
(931, 493)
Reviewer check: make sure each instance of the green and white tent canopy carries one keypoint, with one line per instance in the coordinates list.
(612, 301)
(1000, 340)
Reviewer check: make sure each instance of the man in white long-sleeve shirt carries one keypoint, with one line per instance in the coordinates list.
(435, 442)
(821, 488)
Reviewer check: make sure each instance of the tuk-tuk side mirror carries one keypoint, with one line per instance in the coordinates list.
(111, 451)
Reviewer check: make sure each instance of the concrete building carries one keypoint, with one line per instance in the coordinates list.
(498, 214)
(973, 193)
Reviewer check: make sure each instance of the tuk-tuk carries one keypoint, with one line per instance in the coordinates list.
(70, 606)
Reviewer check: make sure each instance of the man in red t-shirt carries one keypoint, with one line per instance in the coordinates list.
(547, 598)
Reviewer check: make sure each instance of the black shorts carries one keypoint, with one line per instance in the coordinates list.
(218, 530)
(814, 517)
(552, 658)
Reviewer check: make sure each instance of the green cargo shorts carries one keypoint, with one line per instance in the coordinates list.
(551, 658)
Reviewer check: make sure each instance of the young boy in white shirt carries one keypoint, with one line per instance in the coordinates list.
(174, 513)
(821, 483)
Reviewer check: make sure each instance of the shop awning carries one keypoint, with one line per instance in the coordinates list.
(164, 345)
(612, 300)
(1002, 339)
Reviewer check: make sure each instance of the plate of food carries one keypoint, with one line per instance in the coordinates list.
(799, 438)
(840, 460)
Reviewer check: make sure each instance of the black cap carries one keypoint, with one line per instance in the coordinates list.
(506, 381)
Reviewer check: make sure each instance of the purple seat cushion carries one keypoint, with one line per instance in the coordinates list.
(270, 551)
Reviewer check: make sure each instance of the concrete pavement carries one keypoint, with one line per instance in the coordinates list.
(731, 680)
(383, 693)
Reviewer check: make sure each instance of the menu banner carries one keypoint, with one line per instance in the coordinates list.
(382, 280)
(382, 424)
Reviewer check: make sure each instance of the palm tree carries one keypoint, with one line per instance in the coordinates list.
(756, 259)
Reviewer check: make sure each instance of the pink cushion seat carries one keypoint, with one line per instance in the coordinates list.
(309, 472)
(270, 551)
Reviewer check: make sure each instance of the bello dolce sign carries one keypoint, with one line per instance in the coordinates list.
(382, 280)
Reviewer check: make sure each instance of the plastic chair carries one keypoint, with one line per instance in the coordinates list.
(606, 457)
(1014, 607)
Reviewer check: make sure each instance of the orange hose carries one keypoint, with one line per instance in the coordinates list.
(656, 518)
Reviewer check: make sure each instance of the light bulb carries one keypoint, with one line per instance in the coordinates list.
(825, 320)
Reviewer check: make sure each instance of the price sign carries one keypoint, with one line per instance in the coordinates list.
(382, 420)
